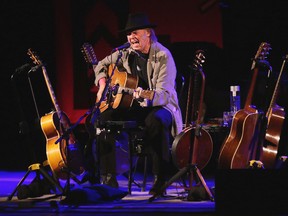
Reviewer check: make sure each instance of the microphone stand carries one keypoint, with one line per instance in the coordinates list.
(94, 111)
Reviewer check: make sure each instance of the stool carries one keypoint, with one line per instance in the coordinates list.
(135, 146)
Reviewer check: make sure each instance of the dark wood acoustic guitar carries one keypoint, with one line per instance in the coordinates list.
(241, 145)
(275, 116)
(54, 125)
(194, 144)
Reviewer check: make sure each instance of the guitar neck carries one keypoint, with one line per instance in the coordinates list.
(251, 89)
(276, 88)
(53, 98)
(125, 89)
(147, 94)
(188, 117)
(194, 109)
(261, 55)
(200, 107)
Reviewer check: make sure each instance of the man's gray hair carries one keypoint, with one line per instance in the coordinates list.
(153, 35)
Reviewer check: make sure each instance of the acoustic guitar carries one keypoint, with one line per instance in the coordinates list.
(194, 144)
(121, 89)
(275, 116)
(121, 86)
(54, 125)
(241, 145)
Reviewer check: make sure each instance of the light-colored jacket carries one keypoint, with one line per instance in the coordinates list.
(161, 71)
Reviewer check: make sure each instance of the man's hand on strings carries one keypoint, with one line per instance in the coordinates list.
(137, 93)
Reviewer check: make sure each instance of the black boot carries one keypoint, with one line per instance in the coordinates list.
(157, 188)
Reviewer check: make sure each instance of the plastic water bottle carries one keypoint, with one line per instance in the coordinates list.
(235, 102)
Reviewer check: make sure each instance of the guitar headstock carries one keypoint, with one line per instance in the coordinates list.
(263, 51)
(36, 60)
(199, 59)
(88, 53)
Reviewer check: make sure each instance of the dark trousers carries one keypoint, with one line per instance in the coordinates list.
(157, 123)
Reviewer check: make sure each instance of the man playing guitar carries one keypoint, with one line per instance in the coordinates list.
(154, 68)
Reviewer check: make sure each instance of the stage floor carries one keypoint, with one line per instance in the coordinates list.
(120, 202)
(236, 192)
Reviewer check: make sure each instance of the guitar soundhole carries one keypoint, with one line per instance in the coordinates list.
(114, 89)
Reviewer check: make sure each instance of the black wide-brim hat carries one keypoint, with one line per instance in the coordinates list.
(137, 21)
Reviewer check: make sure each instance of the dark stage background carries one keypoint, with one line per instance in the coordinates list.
(230, 33)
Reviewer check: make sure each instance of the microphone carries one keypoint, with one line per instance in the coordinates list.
(124, 46)
(22, 68)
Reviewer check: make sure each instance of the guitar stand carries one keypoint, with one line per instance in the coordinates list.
(191, 168)
(40, 170)
(70, 176)
(193, 172)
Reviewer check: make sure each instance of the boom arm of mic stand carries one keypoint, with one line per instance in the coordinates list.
(105, 91)
(71, 128)
(95, 110)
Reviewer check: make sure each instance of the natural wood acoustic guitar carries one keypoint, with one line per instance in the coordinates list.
(54, 125)
(121, 86)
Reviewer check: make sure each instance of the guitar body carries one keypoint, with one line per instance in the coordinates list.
(238, 148)
(56, 152)
(121, 88)
(55, 155)
(181, 148)
(122, 79)
(116, 99)
(272, 137)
